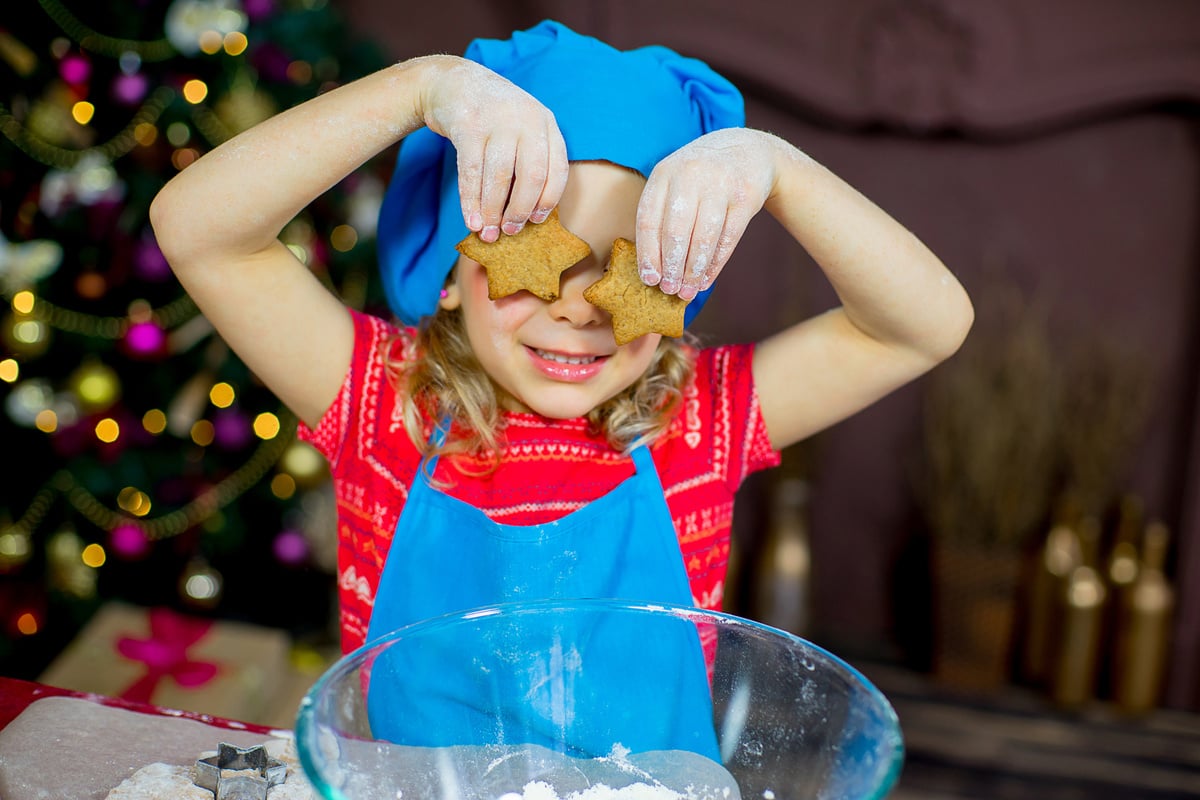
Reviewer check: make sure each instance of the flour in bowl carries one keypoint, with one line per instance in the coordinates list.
(540, 790)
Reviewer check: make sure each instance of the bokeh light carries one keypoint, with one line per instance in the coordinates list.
(200, 584)
(299, 72)
(129, 541)
(82, 112)
(179, 134)
(343, 238)
(283, 486)
(236, 43)
(184, 157)
(91, 285)
(195, 91)
(107, 430)
(154, 421)
(290, 547)
(266, 425)
(203, 432)
(93, 556)
(210, 42)
(28, 331)
(96, 385)
(74, 69)
(145, 338)
(46, 420)
(222, 395)
(23, 302)
(145, 134)
(134, 500)
(27, 624)
(15, 548)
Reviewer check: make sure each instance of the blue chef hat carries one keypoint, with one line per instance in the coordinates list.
(632, 108)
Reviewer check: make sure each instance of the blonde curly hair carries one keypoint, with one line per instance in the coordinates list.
(440, 378)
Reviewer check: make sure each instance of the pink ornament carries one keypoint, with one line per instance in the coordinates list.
(258, 9)
(148, 260)
(145, 340)
(231, 429)
(75, 69)
(129, 542)
(290, 547)
(271, 61)
(129, 89)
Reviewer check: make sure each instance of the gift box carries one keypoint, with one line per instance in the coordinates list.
(159, 656)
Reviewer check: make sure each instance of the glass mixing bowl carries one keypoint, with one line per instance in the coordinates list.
(596, 700)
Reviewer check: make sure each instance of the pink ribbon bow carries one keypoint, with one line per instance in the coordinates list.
(165, 654)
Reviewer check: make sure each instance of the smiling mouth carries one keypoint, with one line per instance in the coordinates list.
(561, 358)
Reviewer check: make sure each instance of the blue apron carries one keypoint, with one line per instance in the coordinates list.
(578, 685)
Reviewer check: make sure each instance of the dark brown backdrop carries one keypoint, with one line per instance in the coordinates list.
(1056, 144)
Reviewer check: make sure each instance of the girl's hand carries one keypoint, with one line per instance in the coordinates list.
(697, 204)
(512, 160)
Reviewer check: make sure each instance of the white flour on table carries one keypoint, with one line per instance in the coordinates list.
(160, 781)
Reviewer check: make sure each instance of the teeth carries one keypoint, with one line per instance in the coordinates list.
(561, 359)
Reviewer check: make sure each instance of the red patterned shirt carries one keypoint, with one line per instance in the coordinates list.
(550, 467)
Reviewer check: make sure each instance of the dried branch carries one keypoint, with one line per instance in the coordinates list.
(1009, 420)
(991, 446)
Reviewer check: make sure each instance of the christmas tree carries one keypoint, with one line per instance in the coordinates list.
(142, 460)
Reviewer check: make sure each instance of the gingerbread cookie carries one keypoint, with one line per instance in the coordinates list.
(533, 259)
(636, 309)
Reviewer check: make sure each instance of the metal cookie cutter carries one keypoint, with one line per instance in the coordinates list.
(235, 773)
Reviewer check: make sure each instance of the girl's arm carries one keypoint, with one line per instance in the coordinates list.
(902, 311)
(218, 221)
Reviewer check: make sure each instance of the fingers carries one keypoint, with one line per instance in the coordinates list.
(684, 241)
(470, 180)
(650, 212)
(696, 206)
(556, 174)
(712, 218)
(499, 167)
(511, 157)
(511, 179)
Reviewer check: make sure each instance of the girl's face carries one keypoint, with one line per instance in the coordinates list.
(559, 359)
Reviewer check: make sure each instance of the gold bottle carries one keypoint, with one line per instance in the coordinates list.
(1058, 555)
(1145, 630)
(781, 588)
(1120, 572)
(1083, 603)
(1122, 568)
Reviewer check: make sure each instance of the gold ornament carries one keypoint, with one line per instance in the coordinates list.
(15, 549)
(189, 23)
(243, 107)
(28, 399)
(305, 464)
(50, 119)
(96, 385)
(24, 335)
(23, 264)
(66, 570)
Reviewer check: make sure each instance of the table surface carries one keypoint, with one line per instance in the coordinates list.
(67, 744)
(1010, 745)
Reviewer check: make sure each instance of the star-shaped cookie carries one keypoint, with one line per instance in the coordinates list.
(637, 309)
(533, 259)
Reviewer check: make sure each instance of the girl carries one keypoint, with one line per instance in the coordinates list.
(569, 466)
